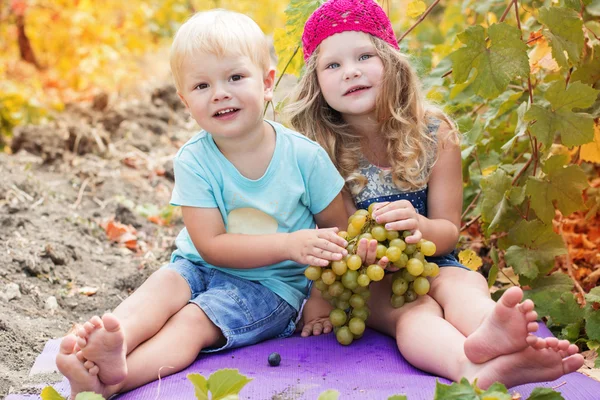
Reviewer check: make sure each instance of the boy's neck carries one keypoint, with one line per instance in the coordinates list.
(250, 154)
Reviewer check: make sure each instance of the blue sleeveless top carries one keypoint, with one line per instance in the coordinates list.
(381, 188)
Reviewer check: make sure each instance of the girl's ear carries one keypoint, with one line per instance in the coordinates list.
(269, 83)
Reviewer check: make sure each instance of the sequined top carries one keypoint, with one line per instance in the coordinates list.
(381, 188)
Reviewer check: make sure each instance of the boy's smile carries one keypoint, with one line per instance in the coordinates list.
(225, 94)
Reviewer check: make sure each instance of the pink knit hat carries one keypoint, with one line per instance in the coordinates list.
(336, 16)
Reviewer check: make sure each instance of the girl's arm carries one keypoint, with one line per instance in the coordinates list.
(231, 250)
(444, 198)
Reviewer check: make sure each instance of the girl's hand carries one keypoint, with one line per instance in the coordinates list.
(316, 246)
(367, 251)
(400, 216)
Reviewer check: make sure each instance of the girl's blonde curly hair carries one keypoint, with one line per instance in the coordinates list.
(401, 112)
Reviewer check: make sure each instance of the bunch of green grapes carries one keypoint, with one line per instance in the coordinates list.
(345, 283)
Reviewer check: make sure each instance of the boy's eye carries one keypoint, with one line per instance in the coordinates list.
(365, 57)
(236, 78)
(202, 86)
(332, 66)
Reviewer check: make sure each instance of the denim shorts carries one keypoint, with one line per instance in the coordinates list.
(245, 311)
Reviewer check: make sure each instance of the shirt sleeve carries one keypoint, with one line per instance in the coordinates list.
(191, 187)
(324, 182)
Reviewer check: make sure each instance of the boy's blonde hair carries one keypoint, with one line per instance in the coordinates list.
(402, 114)
(222, 33)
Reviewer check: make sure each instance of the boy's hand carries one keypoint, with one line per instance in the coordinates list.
(400, 216)
(316, 246)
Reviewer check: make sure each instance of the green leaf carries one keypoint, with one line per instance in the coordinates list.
(593, 296)
(575, 4)
(563, 186)
(588, 71)
(521, 126)
(534, 249)
(398, 397)
(496, 65)
(592, 323)
(329, 394)
(565, 33)
(593, 345)
(546, 289)
(495, 207)
(571, 332)
(225, 382)
(540, 393)
(574, 128)
(200, 386)
(565, 310)
(49, 393)
(88, 396)
(496, 392)
(458, 391)
(492, 275)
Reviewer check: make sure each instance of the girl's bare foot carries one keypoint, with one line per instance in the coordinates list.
(529, 365)
(506, 330)
(102, 341)
(70, 364)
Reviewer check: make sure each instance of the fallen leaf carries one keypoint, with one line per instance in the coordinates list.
(88, 290)
(470, 259)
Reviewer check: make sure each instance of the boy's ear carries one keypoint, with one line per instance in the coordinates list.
(183, 99)
(269, 84)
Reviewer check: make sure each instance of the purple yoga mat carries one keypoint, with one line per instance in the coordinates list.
(371, 368)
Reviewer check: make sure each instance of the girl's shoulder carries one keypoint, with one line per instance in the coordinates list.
(441, 129)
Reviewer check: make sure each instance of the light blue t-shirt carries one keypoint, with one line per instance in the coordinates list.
(299, 182)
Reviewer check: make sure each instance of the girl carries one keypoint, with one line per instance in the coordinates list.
(360, 99)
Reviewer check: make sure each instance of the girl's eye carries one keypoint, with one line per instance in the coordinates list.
(202, 86)
(236, 78)
(332, 66)
(365, 57)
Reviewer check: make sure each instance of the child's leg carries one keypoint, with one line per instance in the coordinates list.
(106, 342)
(431, 343)
(315, 314)
(492, 328)
(172, 349)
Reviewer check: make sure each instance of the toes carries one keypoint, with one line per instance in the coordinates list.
(327, 327)
(572, 363)
(82, 332)
(532, 327)
(89, 364)
(531, 316)
(67, 345)
(94, 370)
(96, 321)
(552, 342)
(81, 342)
(80, 356)
(111, 323)
(317, 329)
(89, 327)
(534, 342)
(307, 330)
(512, 297)
(572, 349)
(526, 306)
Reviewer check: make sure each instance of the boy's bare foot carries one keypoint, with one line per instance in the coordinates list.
(529, 365)
(315, 317)
(102, 341)
(70, 364)
(506, 330)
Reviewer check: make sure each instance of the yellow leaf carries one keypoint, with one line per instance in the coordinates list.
(489, 170)
(415, 8)
(541, 58)
(591, 151)
(470, 259)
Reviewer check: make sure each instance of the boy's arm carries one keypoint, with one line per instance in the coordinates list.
(230, 250)
(334, 215)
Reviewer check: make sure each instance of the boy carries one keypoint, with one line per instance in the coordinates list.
(251, 192)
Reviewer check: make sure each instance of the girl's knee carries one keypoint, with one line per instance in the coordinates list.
(424, 306)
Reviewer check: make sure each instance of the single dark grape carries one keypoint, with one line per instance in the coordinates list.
(274, 359)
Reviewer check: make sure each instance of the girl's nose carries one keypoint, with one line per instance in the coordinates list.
(351, 73)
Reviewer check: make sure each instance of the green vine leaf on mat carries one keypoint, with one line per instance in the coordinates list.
(540, 393)
(329, 394)
(455, 391)
(200, 386)
(398, 397)
(564, 32)
(497, 64)
(225, 382)
(558, 118)
(534, 247)
(89, 396)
